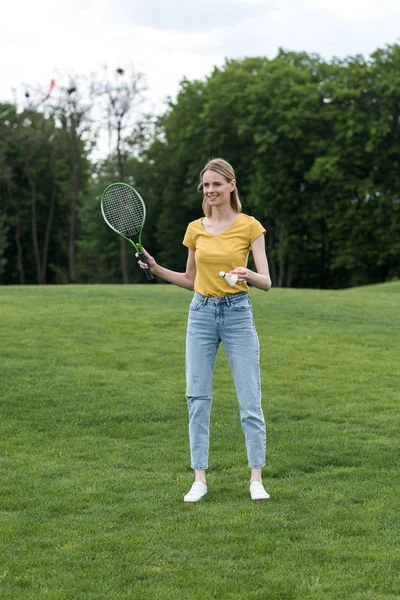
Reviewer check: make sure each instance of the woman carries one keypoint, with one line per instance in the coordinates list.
(220, 312)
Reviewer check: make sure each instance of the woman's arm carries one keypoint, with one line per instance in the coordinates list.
(260, 279)
(184, 280)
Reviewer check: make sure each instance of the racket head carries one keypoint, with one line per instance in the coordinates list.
(123, 209)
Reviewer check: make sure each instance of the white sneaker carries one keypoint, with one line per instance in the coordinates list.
(257, 492)
(197, 491)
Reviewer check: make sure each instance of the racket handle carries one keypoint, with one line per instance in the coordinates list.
(148, 273)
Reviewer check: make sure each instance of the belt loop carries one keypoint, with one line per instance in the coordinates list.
(205, 300)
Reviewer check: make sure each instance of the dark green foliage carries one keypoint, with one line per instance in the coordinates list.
(315, 146)
(37, 174)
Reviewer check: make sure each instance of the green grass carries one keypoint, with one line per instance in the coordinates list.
(94, 456)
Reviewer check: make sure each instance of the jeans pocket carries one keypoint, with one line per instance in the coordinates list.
(241, 304)
(196, 305)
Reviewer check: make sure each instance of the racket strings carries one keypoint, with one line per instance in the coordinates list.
(124, 209)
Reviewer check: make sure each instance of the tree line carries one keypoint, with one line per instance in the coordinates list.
(315, 146)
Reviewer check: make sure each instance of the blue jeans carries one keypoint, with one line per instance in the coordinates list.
(228, 319)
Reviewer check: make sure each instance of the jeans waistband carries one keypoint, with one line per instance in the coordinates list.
(220, 299)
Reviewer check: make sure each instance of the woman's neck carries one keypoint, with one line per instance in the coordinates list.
(222, 214)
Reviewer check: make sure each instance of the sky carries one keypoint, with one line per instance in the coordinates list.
(176, 39)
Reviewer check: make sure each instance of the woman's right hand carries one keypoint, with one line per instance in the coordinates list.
(151, 262)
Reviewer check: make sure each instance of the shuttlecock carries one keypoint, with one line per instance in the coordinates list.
(231, 279)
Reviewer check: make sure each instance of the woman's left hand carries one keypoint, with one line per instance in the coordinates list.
(242, 273)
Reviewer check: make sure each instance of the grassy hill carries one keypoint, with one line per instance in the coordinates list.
(94, 456)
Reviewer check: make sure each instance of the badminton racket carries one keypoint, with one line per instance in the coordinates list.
(124, 210)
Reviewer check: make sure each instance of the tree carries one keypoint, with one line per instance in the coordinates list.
(315, 147)
(72, 113)
(35, 171)
(3, 243)
(121, 98)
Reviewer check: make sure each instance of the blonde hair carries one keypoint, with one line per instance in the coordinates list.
(220, 166)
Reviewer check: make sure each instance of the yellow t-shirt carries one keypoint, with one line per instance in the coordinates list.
(222, 252)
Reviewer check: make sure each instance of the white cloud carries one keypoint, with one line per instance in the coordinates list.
(183, 15)
(315, 26)
(39, 38)
(349, 10)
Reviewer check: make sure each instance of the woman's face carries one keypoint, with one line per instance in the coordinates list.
(216, 188)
